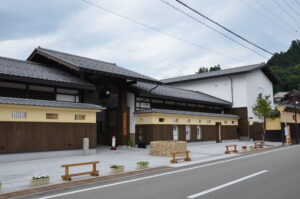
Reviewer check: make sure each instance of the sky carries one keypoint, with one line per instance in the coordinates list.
(76, 27)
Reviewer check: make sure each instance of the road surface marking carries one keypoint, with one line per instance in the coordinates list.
(161, 174)
(226, 185)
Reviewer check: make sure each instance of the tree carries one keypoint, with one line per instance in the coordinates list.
(262, 109)
(206, 69)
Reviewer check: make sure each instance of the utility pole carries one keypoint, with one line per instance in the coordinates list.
(296, 123)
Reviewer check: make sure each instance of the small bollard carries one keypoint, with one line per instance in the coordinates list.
(86, 146)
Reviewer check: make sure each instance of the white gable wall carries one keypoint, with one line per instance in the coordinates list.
(257, 82)
(218, 87)
(246, 88)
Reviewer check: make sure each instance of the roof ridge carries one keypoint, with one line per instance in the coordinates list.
(210, 72)
(76, 55)
(24, 61)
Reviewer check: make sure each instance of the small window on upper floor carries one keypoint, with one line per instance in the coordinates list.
(51, 116)
(79, 117)
(208, 121)
(232, 122)
(175, 120)
(21, 115)
(225, 122)
(161, 119)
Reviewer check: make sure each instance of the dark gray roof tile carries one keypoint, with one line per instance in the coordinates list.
(225, 72)
(96, 65)
(178, 93)
(47, 103)
(165, 111)
(27, 69)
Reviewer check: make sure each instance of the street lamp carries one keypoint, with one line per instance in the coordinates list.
(296, 123)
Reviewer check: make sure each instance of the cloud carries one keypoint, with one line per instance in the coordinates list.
(76, 27)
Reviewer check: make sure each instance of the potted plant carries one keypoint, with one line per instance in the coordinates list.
(142, 165)
(40, 180)
(129, 144)
(117, 168)
(251, 148)
(244, 148)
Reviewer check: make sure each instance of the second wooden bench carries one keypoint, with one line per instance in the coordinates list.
(68, 176)
(183, 156)
(232, 150)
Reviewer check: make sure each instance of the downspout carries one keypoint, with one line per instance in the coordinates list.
(231, 89)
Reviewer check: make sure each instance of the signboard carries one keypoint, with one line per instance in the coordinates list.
(124, 123)
(287, 133)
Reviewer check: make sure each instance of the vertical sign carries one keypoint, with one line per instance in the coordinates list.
(124, 123)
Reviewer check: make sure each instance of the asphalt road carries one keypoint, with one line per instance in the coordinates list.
(268, 175)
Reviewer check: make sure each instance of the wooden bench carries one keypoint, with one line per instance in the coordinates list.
(233, 150)
(68, 176)
(259, 144)
(183, 156)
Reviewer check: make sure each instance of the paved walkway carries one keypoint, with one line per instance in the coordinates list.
(16, 175)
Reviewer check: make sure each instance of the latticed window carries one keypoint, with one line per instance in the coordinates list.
(18, 114)
(51, 116)
(79, 117)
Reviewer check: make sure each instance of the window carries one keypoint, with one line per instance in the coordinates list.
(18, 115)
(67, 91)
(188, 120)
(175, 120)
(199, 133)
(144, 119)
(67, 98)
(51, 116)
(208, 121)
(41, 88)
(188, 132)
(79, 117)
(225, 122)
(161, 119)
(232, 122)
(199, 121)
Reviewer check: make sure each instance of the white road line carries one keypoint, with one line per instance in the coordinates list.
(162, 174)
(225, 185)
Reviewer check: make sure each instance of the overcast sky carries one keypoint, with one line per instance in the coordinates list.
(76, 27)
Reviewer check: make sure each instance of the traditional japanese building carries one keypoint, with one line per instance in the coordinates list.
(53, 100)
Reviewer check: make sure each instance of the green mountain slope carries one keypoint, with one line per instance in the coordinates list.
(286, 66)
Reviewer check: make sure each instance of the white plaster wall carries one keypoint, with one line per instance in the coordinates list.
(240, 94)
(132, 117)
(257, 82)
(218, 87)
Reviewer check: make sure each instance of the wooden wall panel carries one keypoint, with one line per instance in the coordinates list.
(229, 132)
(243, 121)
(16, 137)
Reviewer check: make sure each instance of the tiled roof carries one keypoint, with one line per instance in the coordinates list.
(47, 103)
(148, 89)
(225, 72)
(84, 63)
(32, 70)
(175, 112)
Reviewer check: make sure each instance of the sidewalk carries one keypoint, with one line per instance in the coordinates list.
(16, 175)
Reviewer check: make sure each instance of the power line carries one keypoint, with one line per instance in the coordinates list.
(276, 16)
(212, 28)
(228, 30)
(291, 7)
(269, 18)
(160, 31)
(286, 11)
(190, 8)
